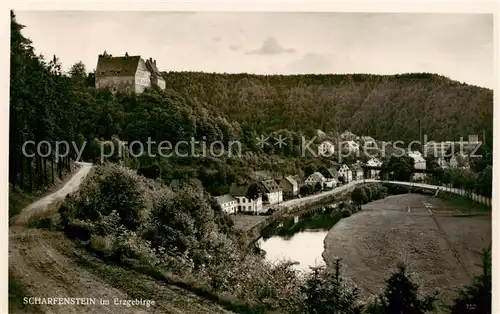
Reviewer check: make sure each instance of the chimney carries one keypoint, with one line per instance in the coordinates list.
(154, 62)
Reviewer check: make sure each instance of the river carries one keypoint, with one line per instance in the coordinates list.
(299, 239)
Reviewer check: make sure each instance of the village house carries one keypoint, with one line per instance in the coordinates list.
(374, 162)
(345, 171)
(357, 171)
(245, 204)
(228, 203)
(331, 178)
(130, 74)
(419, 163)
(315, 178)
(289, 186)
(273, 191)
(440, 149)
(326, 149)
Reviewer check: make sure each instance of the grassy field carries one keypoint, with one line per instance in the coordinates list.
(440, 247)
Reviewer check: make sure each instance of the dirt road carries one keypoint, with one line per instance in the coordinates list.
(41, 262)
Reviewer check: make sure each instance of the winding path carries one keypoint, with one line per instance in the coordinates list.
(38, 261)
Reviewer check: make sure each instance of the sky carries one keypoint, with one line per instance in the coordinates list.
(459, 46)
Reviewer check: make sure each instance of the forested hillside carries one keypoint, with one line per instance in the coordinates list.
(384, 107)
(49, 105)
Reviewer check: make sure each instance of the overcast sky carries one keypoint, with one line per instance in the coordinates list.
(459, 46)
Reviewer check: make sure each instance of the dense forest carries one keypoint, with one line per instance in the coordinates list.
(384, 107)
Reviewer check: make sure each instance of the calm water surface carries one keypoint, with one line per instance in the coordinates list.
(299, 240)
(304, 247)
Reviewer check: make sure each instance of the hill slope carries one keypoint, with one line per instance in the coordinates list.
(385, 107)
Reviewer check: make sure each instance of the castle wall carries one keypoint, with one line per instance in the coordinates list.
(116, 83)
(142, 77)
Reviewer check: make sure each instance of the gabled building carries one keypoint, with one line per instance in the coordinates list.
(345, 171)
(374, 162)
(273, 191)
(239, 192)
(315, 178)
(129, 74)
(228, 203)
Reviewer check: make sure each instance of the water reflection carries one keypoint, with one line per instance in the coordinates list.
(299, 239)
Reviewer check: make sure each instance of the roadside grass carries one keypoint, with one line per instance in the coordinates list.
(49, 219)
(16, 294)
(462, 203)
(135, 277)
(19, 199)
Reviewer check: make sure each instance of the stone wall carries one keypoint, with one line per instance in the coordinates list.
(142, 77)
(116, 83)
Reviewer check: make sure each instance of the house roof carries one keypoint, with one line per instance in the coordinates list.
(356, 167)
(177, 183)
(223, 199)
(117, 66)
(297, 178)
(333, 173)
(271, 186)
(291, 180)
(316, 176)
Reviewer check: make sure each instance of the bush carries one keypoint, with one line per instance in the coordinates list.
(345, 213)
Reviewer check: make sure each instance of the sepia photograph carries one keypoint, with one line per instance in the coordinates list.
(250, 162)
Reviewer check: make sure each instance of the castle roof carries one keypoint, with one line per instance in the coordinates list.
(151, 65)
(117, 66)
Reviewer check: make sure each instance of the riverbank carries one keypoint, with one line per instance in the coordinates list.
(301, 206)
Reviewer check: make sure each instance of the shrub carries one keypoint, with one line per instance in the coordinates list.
(345, 213)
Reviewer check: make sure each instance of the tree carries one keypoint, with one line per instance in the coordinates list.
(78, 75)
(306, 189)
(318, 187)
(401, 296)
(401, 168)
(327, 292)
(358, 196)
(341, 179)
(254, 191)
(476, 298)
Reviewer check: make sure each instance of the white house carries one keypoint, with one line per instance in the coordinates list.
(419, 163)
(228, 203)
(326, 149)
(273, 191)
(374, 162)
(315, 178)
(239, 192)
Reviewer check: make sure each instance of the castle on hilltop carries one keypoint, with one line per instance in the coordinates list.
(127, 73)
